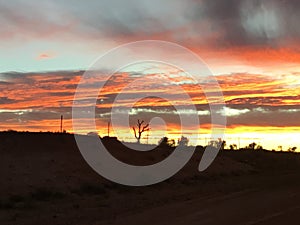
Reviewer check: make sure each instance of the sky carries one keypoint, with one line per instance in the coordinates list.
(251, 47)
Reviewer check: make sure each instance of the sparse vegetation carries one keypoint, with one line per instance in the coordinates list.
(254, 146)
(183, 141)
(292, 149)
(219, 144)
(166, 142)
(233, 147)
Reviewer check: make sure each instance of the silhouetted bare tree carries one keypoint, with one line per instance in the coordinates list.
(140, 129)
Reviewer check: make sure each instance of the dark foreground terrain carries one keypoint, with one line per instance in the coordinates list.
(45, 180)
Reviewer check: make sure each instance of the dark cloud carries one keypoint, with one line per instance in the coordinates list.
(255, 22)
(6, 100)
(267, 117)
(3, 83)
(234, 22)
(264, 101)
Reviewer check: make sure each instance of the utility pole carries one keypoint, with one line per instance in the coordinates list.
(148, 135)
(108, 128)
(61, 123)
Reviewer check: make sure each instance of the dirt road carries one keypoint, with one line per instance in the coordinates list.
(251, 207)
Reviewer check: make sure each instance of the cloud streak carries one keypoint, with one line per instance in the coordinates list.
(252, 99)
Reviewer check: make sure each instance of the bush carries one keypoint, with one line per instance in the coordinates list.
(166, 142)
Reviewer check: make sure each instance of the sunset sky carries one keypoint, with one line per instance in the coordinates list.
(251, 47)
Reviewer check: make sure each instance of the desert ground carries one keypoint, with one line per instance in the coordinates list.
(45, 180)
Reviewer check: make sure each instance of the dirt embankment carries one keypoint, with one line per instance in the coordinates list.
(44, 180)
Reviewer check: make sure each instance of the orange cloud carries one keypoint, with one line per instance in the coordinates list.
(36, 101)
(46, 55)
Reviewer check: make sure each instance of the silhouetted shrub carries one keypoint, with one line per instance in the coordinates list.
(166, 142)
(183, 141)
